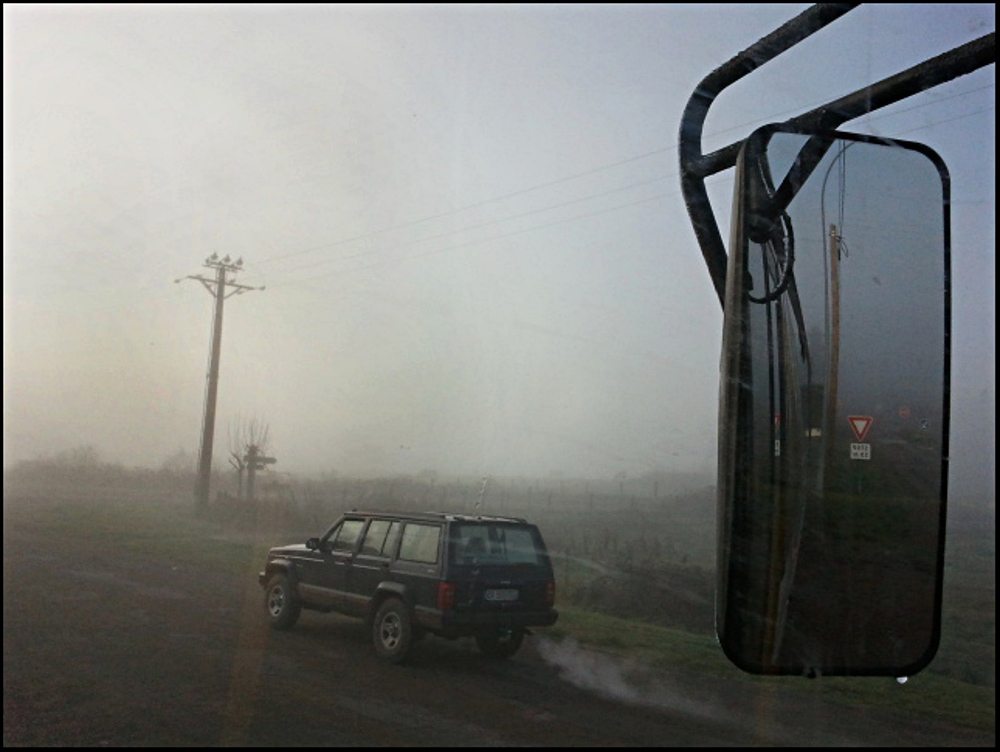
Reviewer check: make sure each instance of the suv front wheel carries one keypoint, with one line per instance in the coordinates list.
(501, 643)
(283, 607)
(392, 631)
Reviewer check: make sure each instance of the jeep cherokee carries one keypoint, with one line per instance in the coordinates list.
(412, 574)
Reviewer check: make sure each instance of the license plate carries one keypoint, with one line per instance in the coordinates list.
(502, 594)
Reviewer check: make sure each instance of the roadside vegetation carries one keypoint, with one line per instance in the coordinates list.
(640, 589)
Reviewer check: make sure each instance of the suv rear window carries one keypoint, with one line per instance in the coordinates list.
(484, 543)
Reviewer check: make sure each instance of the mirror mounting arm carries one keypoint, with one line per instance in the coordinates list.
(696, 166)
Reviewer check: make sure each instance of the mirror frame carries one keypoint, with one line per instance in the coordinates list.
(740, 515)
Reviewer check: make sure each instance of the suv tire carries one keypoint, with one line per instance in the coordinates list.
(281, 602)
(392, 631)
(500, 644)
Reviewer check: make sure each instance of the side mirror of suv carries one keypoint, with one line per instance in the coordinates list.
(313, 544)
(834, 406)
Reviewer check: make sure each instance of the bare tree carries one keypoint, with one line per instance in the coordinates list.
(248, 440)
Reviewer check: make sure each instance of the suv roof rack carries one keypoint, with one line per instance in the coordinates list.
(436, 515)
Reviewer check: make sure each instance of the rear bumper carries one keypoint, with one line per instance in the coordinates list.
(470, 623)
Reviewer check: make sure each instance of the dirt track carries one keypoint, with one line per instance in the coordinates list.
(105, 647)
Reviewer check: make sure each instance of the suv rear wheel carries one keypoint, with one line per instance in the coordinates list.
(283, 607)
(501, 643)
(392, 631)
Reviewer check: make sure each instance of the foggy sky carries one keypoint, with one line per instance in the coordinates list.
(467, 219)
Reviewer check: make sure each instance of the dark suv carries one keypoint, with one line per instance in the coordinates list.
(410, 574)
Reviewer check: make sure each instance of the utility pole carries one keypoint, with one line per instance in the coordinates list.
(217, 289)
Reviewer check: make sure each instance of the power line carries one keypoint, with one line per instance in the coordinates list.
(471, 206)
(439, 251)
(498, 221)
(377, 233)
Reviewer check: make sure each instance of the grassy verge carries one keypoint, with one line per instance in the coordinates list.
(927, 695)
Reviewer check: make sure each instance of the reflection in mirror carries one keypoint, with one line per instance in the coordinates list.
(834, 407)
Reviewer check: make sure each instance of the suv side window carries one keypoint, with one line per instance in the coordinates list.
(380, 538)
(420, 543)
(346, 538)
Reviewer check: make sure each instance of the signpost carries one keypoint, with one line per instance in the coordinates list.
(255, 462)
(860, 425)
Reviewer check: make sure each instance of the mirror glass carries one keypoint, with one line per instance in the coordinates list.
(834, 407)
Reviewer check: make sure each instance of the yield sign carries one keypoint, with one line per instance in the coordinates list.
(860, 424)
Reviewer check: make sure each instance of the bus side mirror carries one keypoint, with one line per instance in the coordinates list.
(834, 406)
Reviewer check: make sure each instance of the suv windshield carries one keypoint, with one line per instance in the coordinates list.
(480, 543)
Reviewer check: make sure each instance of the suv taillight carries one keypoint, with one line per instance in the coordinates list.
(550, 594)
(446, 596)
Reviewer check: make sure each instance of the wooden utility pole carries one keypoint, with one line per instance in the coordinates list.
(217, 289)
(829, 429)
